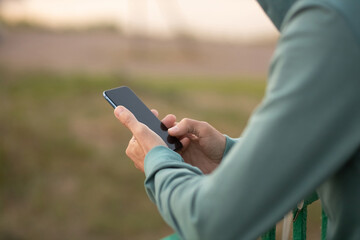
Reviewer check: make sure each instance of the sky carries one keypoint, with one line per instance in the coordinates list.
(209, 19)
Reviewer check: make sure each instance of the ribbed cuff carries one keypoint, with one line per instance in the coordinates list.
(230, 142)
(160, 156)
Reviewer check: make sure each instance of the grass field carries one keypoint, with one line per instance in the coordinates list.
(63, 172)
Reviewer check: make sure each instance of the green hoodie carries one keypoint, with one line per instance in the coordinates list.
(304, 137)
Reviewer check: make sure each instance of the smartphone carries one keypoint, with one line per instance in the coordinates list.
(126, 97)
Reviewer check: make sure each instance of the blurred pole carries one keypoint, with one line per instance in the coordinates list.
(171, 11)
(138, 28)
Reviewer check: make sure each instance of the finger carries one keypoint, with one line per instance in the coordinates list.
(132, 140)
(185, 143)
(146, 138)
(126, 118)
(169, 121)
(193, 137)
(135, 153)
(137, 166)
(132, 147)
(155, 112)
(188, 126)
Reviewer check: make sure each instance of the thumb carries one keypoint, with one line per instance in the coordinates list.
(187, 126)
(126, 118)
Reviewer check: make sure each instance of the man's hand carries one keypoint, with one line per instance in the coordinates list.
(143, 140)
(203, 145)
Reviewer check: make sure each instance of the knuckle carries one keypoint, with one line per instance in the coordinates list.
(186, 120)
(128, 151)
(140, 130)
(204, 124)
(205, 127)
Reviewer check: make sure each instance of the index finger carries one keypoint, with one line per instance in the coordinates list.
(169, 121)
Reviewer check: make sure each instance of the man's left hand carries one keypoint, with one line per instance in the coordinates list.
(143, 140)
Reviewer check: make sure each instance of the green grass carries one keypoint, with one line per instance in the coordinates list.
(63, 171)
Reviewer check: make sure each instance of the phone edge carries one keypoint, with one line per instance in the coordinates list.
(109, 100)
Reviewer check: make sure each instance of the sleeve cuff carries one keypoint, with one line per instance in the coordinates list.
(230, 142)
(160, 155)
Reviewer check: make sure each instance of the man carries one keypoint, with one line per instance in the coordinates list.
(305, 136)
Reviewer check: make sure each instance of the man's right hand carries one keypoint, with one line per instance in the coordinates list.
(203, 145)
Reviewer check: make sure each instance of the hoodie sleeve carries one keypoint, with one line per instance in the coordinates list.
(305, 131)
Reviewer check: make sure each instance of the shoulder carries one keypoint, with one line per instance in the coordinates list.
(318, 43)
(324, 16)
(323, 23)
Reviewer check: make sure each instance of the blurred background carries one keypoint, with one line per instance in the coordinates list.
(63, 171)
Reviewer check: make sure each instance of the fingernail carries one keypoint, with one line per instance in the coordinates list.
(118, 110)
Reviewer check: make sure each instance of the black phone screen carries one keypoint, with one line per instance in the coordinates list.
(126, 97)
